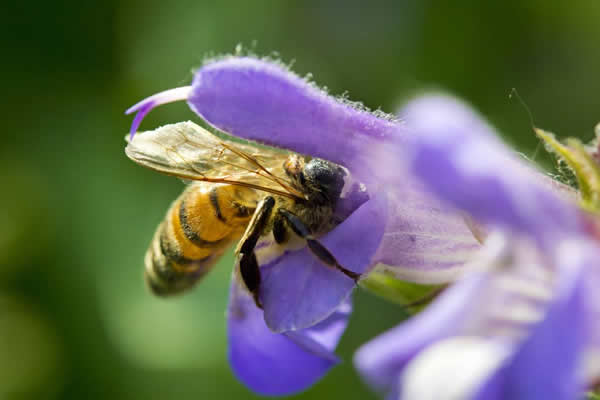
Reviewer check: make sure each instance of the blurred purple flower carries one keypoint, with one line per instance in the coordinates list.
(396, 230)
(526, 325)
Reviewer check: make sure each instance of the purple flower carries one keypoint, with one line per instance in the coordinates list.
(526, 325)
(397, 230)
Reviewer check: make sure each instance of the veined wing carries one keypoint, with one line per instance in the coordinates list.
(188, 151)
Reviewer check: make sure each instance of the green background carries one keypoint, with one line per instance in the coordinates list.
(76, 216)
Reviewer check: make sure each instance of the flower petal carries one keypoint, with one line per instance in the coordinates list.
(329, 331)
(500, 303)
(547, 364)
(456, 367)
(425, 240)
(263, 101)
(458, 158)
(355, 240)
(381, 360)
(592, 283)
(143, 107)
(276, 364)
(544, 366)
(298, 290)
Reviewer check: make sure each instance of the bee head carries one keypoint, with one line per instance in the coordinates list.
(325, 178)
(319, 179)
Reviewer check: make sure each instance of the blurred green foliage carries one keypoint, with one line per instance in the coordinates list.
(76, 215)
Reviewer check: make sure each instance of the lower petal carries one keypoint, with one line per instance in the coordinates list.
(501, 304)
(547, 364)
(298, 290)
(452, 369)
(381, 360)
(592, 352)
(277, 364)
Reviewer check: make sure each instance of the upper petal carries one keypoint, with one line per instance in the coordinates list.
(277, 364)
(263, 101)
(298, 290)
(459, 159)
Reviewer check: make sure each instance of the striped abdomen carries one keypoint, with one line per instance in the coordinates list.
(198, 228)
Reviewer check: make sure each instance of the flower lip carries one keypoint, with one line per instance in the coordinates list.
(280, 364)
(298, 290)
(145, 106)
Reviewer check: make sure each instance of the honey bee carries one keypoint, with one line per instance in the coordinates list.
(238, 192)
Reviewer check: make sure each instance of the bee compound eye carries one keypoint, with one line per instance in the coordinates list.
(327, 175)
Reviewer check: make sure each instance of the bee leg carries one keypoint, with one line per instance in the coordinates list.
(315, 246)
(280, 232)
(249, 269)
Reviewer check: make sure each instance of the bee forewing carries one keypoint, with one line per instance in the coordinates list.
(190, 152)
(178, 149)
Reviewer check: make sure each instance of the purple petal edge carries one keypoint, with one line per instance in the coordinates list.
(381, 360)
(137, 120)
(425, 240)
(276, 364)
(145, 106)
(547, 365)
(458, 157)
(263, 101)
(298, 290)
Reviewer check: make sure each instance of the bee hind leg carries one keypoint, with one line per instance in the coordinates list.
(246, 258)
(314, 245)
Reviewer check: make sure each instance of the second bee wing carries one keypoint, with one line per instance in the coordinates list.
(188, 151)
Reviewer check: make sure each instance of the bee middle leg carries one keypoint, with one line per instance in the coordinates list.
(249, 269)
(314, 245)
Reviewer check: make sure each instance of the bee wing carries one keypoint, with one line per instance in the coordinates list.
(190, 152)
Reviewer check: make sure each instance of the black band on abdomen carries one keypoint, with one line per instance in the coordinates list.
(192, 235)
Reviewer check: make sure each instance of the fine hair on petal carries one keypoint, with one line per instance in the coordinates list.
(274, 58)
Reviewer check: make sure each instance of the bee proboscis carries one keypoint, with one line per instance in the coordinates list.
(239, 192)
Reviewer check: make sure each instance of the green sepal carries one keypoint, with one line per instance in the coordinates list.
(583, 165)
(592, 396)
(412, 296)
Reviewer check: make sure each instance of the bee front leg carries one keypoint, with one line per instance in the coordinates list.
(315, 246)
(249, 269)
(280, 230)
